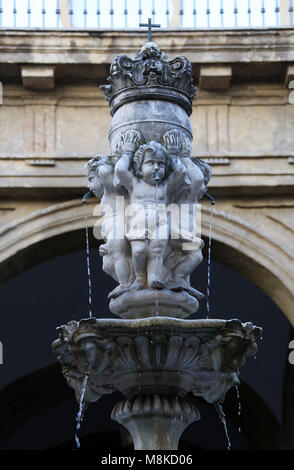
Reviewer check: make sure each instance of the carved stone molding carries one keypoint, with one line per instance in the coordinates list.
(155, 355)
(155, 363)
(150, 75)
(156, 421)
(151, 303)
(38, 77)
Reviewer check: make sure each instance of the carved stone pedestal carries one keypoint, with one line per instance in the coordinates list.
(152, 302)
(155, 363)
(155, 422)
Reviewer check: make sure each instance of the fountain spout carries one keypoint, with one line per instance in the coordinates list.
(208, 196)
(87, 196)
(156, 175)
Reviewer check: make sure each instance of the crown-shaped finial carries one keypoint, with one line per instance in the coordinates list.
(150, 76)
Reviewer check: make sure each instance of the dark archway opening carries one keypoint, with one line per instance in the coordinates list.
(42, 296)
(38, 412)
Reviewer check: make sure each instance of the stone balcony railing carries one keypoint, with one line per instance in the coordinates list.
(130, 13)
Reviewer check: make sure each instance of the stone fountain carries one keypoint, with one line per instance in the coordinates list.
(149, 187)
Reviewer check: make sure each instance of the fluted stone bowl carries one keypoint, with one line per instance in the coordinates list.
(156, 355)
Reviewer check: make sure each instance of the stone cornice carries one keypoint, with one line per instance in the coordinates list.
(101, 46)
(232, 174)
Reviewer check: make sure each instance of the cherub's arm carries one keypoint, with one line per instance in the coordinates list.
(193, 171)
(206, 172)
(106, 175)
(123, 176)
(178, 180)
(196, 177)
(171, 141)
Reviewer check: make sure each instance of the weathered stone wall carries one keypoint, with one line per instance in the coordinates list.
(245, 132)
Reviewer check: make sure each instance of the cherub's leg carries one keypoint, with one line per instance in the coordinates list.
(139, 259)
(155, 263)
(107, 265)
(120, 251)
(190, 261)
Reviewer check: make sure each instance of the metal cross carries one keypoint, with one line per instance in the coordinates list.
(149, 25)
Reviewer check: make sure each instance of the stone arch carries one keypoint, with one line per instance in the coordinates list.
(238, 244)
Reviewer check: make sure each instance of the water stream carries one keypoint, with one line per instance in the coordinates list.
(222, 417)
(79, 417)
(239, 407)
(227, 434)
(157, 236)
(209, 264)
(88, 259)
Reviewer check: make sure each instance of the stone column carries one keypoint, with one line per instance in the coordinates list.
(155, 422)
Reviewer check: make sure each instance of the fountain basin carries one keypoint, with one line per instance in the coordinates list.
(156, 355)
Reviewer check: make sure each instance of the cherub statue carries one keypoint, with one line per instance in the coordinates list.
(116, 250)
(149, 174)
(185, 247)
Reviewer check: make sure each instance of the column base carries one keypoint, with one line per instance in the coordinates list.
(155, 422)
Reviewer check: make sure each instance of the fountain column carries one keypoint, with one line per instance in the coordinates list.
(150, 187)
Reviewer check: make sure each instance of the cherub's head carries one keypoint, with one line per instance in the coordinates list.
(206, 170)
(151, 163)
(92, 169)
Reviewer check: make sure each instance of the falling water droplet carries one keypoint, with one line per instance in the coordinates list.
(239, 406)
(78, 444)
(209, 264)
(88, 259)
(79, 417)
